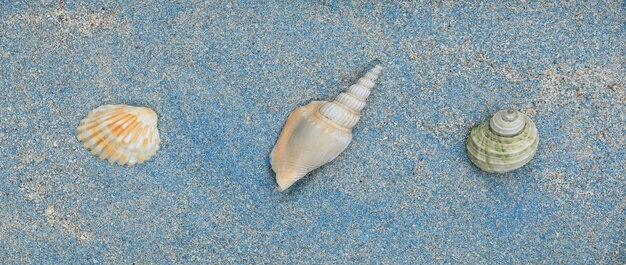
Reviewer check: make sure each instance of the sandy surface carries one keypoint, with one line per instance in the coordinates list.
(224, 76)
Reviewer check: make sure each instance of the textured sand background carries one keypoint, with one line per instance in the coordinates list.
(224, 76)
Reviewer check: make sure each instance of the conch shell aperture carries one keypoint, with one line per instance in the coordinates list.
(318, 132)
(121, 134)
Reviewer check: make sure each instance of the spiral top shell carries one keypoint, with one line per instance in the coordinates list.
(505, 143)
(121, 134)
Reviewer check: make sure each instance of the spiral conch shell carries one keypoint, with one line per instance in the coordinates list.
(121, 134)
(505, 143)
(317, 133)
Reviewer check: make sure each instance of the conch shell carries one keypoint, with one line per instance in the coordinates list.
(505, 143)
(121, 134)
(317, 133)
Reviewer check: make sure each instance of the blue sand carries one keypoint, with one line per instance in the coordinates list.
(224, 75)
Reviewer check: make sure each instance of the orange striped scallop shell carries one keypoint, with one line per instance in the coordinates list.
(121, 134)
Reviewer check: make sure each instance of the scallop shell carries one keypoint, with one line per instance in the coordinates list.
(505, 143)
(317, 133)
(121, 134)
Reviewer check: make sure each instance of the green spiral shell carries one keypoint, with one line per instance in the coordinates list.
(500, 154)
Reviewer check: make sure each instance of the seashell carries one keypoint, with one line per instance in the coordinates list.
(505, 143)
(317, 133)
(121, 134)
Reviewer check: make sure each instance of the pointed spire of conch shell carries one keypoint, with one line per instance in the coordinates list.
(345, 109)
(317, 133)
